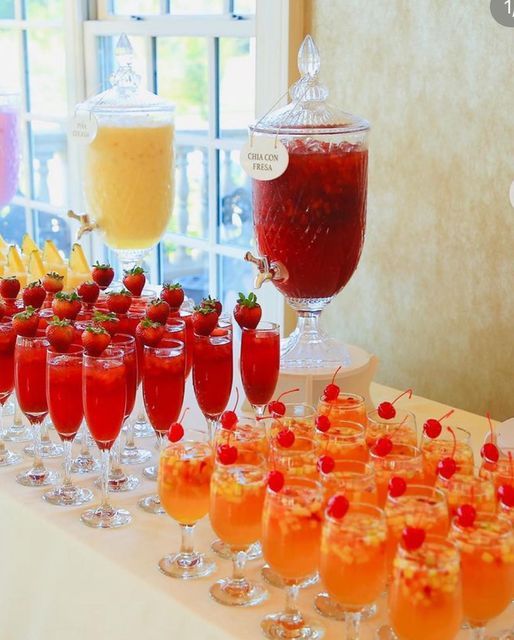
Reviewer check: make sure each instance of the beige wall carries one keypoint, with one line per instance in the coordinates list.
(433, 295)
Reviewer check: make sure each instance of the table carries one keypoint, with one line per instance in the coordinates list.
(60, 580)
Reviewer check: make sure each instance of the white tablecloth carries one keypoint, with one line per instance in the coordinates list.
(60, 580)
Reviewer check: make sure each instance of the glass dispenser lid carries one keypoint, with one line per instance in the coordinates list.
(309, 112)
(126, 95)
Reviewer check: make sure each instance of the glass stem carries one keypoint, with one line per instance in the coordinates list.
(129, 438)
(2, 430)
(292, 591)
(187, 539)
(477, 633)
(212, 425)
(116, 454)
(18, 420)
(38, 463)
(45, 438)
(67, 464)
(259, 410)
(239, 559)
(307, 326)
(105, 457)
(84, 445)
(352, 623)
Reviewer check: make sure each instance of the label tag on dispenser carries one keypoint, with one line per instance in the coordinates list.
(83, 127)
(264, 157)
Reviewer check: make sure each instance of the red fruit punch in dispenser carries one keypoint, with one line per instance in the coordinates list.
(310, 219)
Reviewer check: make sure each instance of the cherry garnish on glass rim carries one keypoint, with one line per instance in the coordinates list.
(331, 391)
(278, 408)
(433, 427)
(489, 451)
(337, 506)
(386, 410)
(447, 467)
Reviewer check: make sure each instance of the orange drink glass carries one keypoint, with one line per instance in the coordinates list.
(487, 559)
(436, 449)
(425, 595)
(346, 407)
(344, 441)
(402, 428)
(465, 488)
(298, 461)
(355, 479)
(353, 561)
(501, 472)
(236, 503)
(291, 535)
(404, 461)
(299, 417)
(420, 506)
(184, 477)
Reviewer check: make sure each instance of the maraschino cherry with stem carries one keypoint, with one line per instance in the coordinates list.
(176, 430)
(489, 451)
(276, 407)
(433, 428)
(332, 390)
(446, 467)
(386, 410)
(466, 515)
(413, 538)
(228, 419)
(506, 491)
(384, 445)
(397, 486)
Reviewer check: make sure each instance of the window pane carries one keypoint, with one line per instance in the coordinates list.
(6, 9)
(182, 78)
(9, 50)
(47, 71)
(44, 10)
(190, 267)
(235, 275)
(135, 7)
(237, 85)
(52, 227)
(244, 7)
(196, 6)
(236, 221)
(12, 223)
(107, 60)
(191, 209)
(49, 162)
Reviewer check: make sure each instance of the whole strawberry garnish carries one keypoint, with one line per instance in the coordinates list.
(158, 311)
(9, 287)
(95, 340)
(119, 301)
(212, 302)
(173, 294)
(34, 295)
(60, 334)
(247, 312)
(53, 282)
(26, 323)
(107, 321)
(102, 274)
(149, 333)
(66, 305)
(204, 320)
(89, 291)
(134, 280)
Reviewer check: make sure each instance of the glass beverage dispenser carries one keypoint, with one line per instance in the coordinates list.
(9, 146)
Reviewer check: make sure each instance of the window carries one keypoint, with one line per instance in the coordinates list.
(200, 54)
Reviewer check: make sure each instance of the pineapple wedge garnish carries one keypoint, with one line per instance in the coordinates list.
(15, 265)
(36, 270)
(52, 259)
(78, 267)
(3, 246)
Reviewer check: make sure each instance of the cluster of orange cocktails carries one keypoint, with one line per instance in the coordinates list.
(280, 481)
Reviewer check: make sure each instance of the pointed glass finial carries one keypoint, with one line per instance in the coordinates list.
(308, 88)
(125, 76)
(308, 57)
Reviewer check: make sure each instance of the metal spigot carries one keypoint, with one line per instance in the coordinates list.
(267, 270)
(85, 223)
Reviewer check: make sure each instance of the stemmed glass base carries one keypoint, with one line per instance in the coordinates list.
(291, 626)
(84, 463)
(309, 347)
(7, 458)
(238, 593)
(70, 496)
(186, 565)
(142, 428)
(48, 449)
(223, 550)
(328, 608)
(131, 454)
(37, 476)
(105, 517)
(152, 504)
(119, 481)
(150, 473)
(18, 432)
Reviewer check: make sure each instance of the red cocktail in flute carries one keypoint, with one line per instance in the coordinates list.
(213, 374)
(7, 342)
(64, 396)
(310, 220)
(30, 385)
(104, 394)
(260, 362)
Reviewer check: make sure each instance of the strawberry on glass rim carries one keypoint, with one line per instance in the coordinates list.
(119, 301)
(33, 295)
(173, 294)
(212, 303)
(205, 320)
(247, 312)
(134, 280)
(89, 292)
(108, 321)
(66, 305)
(102, 274)
(26, 323)
(9, 287)
(149, 333)
(158, 310)
(60, 334)
(53, 282)
(95, 340)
